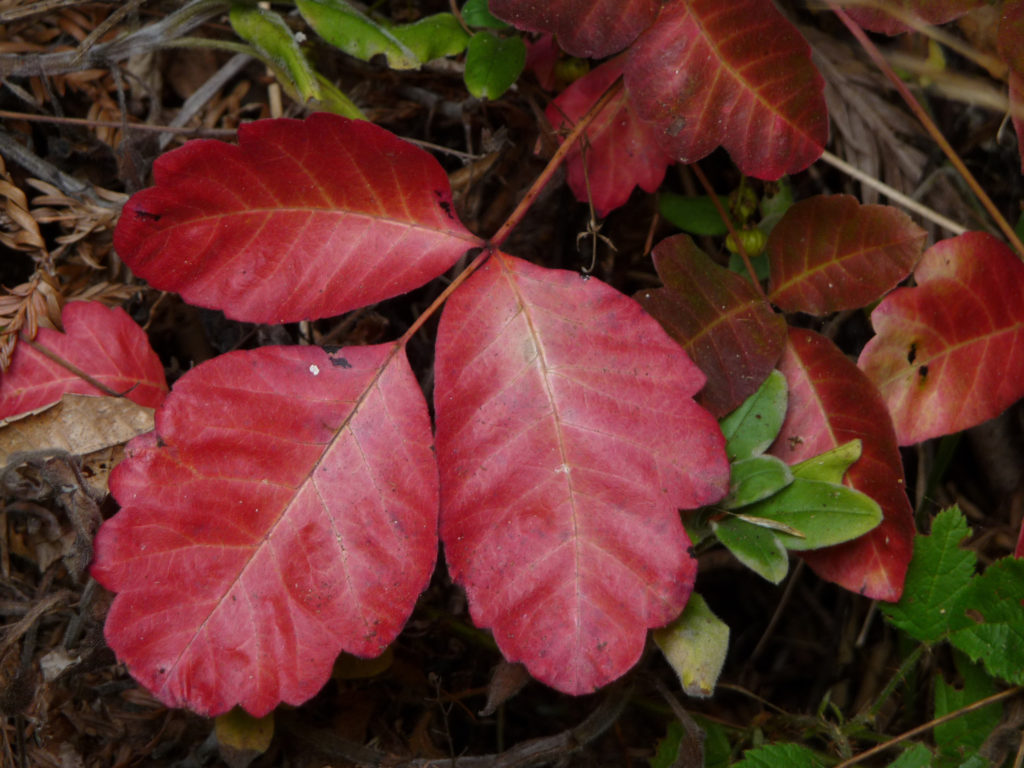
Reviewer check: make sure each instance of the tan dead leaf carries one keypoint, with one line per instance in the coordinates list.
(77, 425)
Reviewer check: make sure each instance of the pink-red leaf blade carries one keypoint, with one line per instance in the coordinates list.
(830, 403)
(926, 11)
(829, 253)
(736, 74)
(567, 439)
(728, 330)
(103, 342)
(585, 28)
(300, 220)
(949, 353)
(620, 151)
(284, 510)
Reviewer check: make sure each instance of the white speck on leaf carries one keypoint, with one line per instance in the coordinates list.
(314, 370)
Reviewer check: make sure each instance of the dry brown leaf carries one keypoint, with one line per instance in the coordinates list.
(77, 425)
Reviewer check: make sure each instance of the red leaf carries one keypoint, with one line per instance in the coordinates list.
(103, 342)
(721, 321)
(567, 440)
(926, 11)
(621, 150)
(830, 403)
(949, 353)
(300, 220)
(284, 510)
(736, 74)
(585, 28)
(829, 253)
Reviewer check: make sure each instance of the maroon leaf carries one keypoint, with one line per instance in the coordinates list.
(1010, 44)
(585, 28)
(830, 253)
(926, 11)
(284, 510)
(721, 321)
(567, 439)
(736, 74)
(300, 220)
(949, 353)
(621, 151)
(102, 342)
(831, 403)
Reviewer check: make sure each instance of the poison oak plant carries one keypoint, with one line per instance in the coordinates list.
(288, 504)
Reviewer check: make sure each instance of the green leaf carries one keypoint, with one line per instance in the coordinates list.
(752, 427)
(825, 513)
(775, 205)
(493, 64)
(476, 14)
(915, 756)
(270, 36)
(987, 620)
(937, 577)
(356, 34)
(780, 756)
(433, 37)
(756, 547)
(334, 100)
(696, 215)
(830, 466)
(241, 738)
(695, 645)
(754, 479)
(958, 739)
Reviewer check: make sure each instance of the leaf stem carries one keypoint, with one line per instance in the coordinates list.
(545, 176)
(704, 182)
(933, 130)
(45, 352)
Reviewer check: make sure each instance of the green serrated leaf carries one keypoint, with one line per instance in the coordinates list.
(355, 33)
(963, 736)
(695, 645)
(754, 479)
(756, 547)
(825, 513)
(780, 756)
(829, 467)
(268, 33)
(433, 37)
(987, 620)
(696, 215)
(476, 13)
(493, 64)
(915, 756)
(939, 574)
(752, 427)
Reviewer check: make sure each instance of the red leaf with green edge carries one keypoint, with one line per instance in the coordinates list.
(102, 342)
(949, 353)
(567, 440)
(621, 150)
(830, 403)
(829, 253)
(926, 11)
(585, 28)
(725, 326)
(284, 510)
(736, 74)
(302, 219)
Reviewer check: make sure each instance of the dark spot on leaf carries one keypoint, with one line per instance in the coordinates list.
(146, 215)
(974, 615)
(340, 362)
(794, 442)
(912, 354)
(922, 373)
(447, 208)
